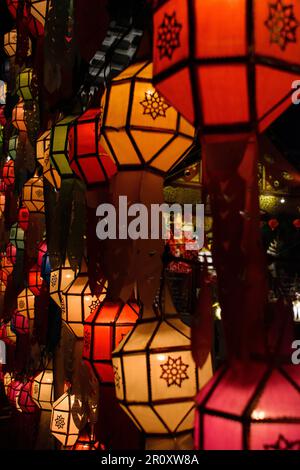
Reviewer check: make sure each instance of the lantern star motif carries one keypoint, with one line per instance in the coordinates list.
(94, 305)
(174, 371)
(168, 36)
(54, 280)
(154, 105)
(282, 24)
(60, 422)
(283, 444)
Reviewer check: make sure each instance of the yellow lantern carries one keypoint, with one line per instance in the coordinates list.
(78, 302)
(43, 157)
(10, 43)
(23, 83)
(140, 129)
(60, 279)
(25, 303)
(156, 378)
(42, 389)
(66, 419)
(12, 146)
(18, 118)
(33, 195)
(39, 9)
(59, 144)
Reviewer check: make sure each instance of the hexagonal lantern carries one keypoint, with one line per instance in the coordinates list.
(66, 417)
(18, 117)
(17, 236)
(33, 195)
(34, 280)
(20, 323)
(60, 279)
(25, 303)
(59, 146)
(25, 402)
(42, 390)
(10, 43)
(12, 146)
(8, 173)
(23, 84)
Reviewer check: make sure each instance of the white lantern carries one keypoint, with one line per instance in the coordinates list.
(42, 390)
(66, 419)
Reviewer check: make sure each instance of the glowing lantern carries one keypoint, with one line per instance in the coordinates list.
(254, 407)
(23, 218)
(25, 303)
(16, 236)
(7, 335)
(11, 253)
(140, 129)
(12, 147)
(85, 442)
(42, 390)
(18, 117)
(156, 379)
(2, 203)
(8, 173)
(33, 195)
(25, 402)
(87, 158)
(104, 329)
(43, 157)
(39, 9)
(23, 82)
(3, 89)
(10, 43)
(6, 265)
(65, 419)
(13, 391)
(20, 323)
(59, 146)
(78, 302)
(60, 279)
(8, 377)
(225, 62)
(35, 280)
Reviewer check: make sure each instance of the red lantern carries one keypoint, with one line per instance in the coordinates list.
(273, 224)
(23, 218)
(296, 223)
(224, 56)
(104, 329)
(250, 406)
(11, 253)
(25, 401)
(13, 391)
(20, 323)
(87, 158)
(86, 442)
(35, 280)
(8, 173)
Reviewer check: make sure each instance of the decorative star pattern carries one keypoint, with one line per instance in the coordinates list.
(94, 305)
(283, 444)
(168, 38)
(60, 422)
(174, 371)
(282, 24)
(53, 280)
(21, 304)
(154, 105)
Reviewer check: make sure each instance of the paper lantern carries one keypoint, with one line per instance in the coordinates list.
(78, 302)
(11, 253)
(20, 323)
(25, 402)
(59, 146)
(10, 43)
(85, 442)
(7, 334)
(3, 90)
(33, 195)
(23, 84)
(25, 303)
(17, 236)
(12, 147)
(6, 265)
(23, 218)
(60, 279)
(140, 129)
(8, 173)
(224, 55)
(39, 9)
(156, 379)
(42, 390)
(18, 117)
(2, 203)
(8, 377)
(34, 280)
(13, 391)
(66, 418)
(43, 157)
(256, 407)
(87, 158)
(107, 325)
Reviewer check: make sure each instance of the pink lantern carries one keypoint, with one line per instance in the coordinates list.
(20, 323)
(13, 391)
(250, 406)
(25, 401)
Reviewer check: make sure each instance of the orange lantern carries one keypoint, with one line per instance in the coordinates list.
(18, 117)
(87, 158)
(33, 195)
(140, 129)
(60, 279)
(214, 61)
(10, 43)
(25, 303)
(104, 329)
(35, 280)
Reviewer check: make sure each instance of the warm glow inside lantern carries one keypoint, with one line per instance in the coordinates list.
(39, 9)
(60, 279)
(17, 236)
(85, 442)
(18, 117)
(59, 146)
(10, 43)
(12, 147)
(253, 407)
(42, 390)
(13, 391)
(20, 323)
(43, 157)
(87, 158)
(140, 129)
(65, 419)
(11, 253)
(214, 61)
(156, 378)
(8, 173)
(104, 329)
(25, 402)
(23, 218)
(33, 195)
(34, 280)
(23, 83)
(8, 377)
(25, 303)
(78, 302)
